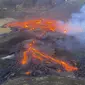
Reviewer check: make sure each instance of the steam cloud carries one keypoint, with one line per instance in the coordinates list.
(76, 25)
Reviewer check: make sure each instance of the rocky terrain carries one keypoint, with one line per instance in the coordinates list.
(49, 80)
(61, 9)
(13, 43)
(65, 47)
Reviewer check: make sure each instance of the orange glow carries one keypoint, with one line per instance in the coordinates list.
(38, 22)
(64, 64)
(28, 73)
(65, 31)
(25, 57)
(48, 62)
(44, 24)
(59, 70)
(41, 56)
(37, 57)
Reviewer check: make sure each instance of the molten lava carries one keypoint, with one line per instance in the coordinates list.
(44, 24)
(64, 64)
(25, 58)
(28, 73)
(41, 56)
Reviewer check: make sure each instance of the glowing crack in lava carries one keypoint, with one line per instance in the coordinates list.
(28, 73)
(44, 24)
(25, 58)
(41, 56)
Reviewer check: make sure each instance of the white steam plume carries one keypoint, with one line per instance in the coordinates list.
(76, 25)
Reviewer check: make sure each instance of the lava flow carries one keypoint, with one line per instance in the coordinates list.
(25, 58)
(46, 25)
(41, 56)
(43, 24)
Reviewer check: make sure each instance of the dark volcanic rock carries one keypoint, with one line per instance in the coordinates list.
(81, 68)
(9, 42)
(15, 41)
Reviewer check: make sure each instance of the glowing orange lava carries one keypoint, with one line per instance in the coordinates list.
(28, 73)
(25, 58)
(41, 56)
(44, 24)
(65, 31)
(64, 64)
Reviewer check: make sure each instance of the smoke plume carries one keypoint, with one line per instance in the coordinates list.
(76, 25)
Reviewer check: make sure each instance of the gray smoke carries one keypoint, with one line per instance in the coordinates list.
(78, 19)
(76, 25)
